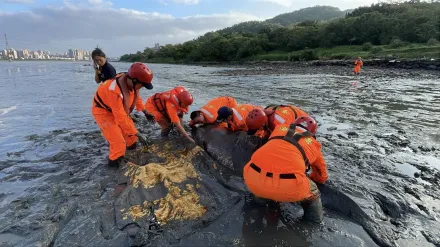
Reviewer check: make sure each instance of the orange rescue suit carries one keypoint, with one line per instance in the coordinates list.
(357, 66)
(210, 109)
(239, 114)
(165, 107)
(112, 115)
(277, 170)
(284, 114)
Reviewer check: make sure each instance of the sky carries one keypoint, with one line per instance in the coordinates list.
(128, 26)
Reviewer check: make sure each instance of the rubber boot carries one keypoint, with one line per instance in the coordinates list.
(115, 163)
(313, 210)
(133, 146)
(259, 200)
(165, 132)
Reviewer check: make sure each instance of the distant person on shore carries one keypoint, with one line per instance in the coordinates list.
(112, 98)
(103, 69)
(357, 66)
(168, 109)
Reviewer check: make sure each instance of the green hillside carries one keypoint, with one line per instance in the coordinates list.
(317, 13)
(379, 30)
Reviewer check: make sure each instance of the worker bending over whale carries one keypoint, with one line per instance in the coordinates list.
(168, 109)
(111, 107)
(208, 113)
(272, 116)
(278, 170)
(235, 117)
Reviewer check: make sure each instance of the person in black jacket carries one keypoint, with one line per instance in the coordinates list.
(103, 69)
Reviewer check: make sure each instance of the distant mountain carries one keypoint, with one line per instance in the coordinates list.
(317, 13)
(250, 27)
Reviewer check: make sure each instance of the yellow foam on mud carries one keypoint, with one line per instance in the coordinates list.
(137, 211)
(178, 204)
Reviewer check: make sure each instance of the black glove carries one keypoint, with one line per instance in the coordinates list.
(142, 140)
(150, 118)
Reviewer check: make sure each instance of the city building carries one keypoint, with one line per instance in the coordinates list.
(20, 54)
(71, 54)
(13, 53)
(35, 55)
(156, 47)
(26, 54)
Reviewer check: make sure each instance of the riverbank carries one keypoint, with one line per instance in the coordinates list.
(412, 56)
(428, 69)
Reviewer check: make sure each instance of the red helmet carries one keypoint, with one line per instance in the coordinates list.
(270, 118)
(140, 73)
(185, 97)
(307, 123)
(255, 120)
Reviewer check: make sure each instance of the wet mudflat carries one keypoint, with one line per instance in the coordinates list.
(379, 133)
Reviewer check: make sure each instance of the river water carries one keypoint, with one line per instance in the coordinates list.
(395, 117)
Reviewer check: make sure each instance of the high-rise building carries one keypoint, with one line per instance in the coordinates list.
(20, 54)
(13, 53)
(79, 55)
(26, 54)
(72, 53)
(36, 55)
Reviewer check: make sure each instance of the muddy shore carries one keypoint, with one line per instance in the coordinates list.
(372, 68)
(380, 140)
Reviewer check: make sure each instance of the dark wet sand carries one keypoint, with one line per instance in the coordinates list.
(380, 139)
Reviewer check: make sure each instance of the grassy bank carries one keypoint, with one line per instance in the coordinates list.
(351, 52)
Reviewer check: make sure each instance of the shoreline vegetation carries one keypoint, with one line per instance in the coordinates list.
(384, 32)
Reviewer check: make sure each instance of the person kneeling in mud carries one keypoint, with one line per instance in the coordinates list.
(168, 109)
(278, 170)
(273, 115)
(208, 113)
(111, 105)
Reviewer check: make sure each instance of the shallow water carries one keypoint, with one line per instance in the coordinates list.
(39, 97)
(45, 109)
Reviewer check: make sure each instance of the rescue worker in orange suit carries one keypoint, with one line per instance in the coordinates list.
(272, 116)
(235, 117)
(136, 102)
(111, 105)
(168, 109)
(357, 66)
(278, 170)
(208, 113)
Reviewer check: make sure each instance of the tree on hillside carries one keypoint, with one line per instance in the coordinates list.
(316, 13)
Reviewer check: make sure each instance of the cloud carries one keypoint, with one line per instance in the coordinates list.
(285, 3)
(17, 1)
(186, 2)
(290, 5)
(99, 2)
(118, 31)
